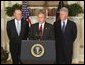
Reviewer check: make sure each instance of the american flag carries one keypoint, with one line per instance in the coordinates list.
(25, 12)
(60, 5)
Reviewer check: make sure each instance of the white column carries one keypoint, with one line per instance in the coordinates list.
(77, 52)
(4, 37)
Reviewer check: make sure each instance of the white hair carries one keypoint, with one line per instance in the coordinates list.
(64, 9)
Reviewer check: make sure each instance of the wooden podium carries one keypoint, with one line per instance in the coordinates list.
(38, 52)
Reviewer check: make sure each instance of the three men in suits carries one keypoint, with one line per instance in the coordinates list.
(17, 30)
(65, 35)
(41, 30)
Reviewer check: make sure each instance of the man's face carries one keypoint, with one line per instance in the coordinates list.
(18, 14)
(63, 15)
(41, 18)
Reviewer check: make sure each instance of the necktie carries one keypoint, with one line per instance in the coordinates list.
(63, 27)
(18, 28)
(41, 28)
(40, 31)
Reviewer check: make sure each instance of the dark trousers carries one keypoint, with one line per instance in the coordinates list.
(15, 52)
(63, 57)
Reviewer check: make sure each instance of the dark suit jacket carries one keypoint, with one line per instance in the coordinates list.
(64, 41)
(48, 33)
(14, 39)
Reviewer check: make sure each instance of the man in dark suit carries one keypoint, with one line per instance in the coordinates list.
(41, 30)
(17, 30)
(65, 35)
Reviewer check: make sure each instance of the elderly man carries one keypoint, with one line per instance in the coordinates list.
(17, 30)
(41, 30)
(65, 34)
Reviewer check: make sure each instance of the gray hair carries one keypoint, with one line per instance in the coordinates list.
(64, 9)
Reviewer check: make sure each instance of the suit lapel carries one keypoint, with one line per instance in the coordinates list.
(21, 27)
(14, 27)
(60, 26)
(36, 29)
(45, 29)
(67, 26)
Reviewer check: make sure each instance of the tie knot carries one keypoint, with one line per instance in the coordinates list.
(17, 22)
(63, 22)
(41, 25)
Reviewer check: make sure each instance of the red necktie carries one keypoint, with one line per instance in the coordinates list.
(40, 29)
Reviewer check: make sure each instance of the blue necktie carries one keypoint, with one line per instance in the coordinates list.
(63, 27)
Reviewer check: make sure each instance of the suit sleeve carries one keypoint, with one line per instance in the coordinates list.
(8, 30)
(54, 27)
(74, 32)
(27, 29)
(31, 33)
(52, 33)
(56, 30)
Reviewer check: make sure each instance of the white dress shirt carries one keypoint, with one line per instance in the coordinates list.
(62, 22)
(42, 25)
(18, 26)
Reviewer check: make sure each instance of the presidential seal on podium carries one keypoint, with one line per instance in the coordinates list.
(37, 50)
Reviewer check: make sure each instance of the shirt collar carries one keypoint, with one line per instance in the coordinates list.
(42, 23)
(17, 20)
(64, 21)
